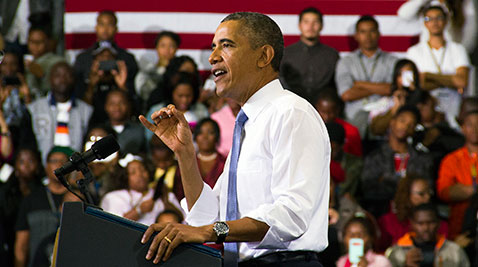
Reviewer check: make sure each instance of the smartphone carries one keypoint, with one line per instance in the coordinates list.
(108, 65)
(407, 78)
(355, 250)
(10, 80)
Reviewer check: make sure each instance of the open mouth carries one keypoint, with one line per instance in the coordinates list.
(218, 73)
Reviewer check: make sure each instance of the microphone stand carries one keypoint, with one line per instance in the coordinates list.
(82, 166)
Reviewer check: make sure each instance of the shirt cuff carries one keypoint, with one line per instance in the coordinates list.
(206, 209)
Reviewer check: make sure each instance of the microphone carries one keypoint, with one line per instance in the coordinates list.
(99, 150)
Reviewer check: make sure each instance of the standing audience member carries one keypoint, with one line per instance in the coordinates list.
(38, 68)
(462, 27)
(60, 119)
(134, 200)
(423, 245)
(457, 177)
(361, 227)
(345, 168)
(225, 118)
(444, 65)
(129, 133)
(39, 215)
(329, 105)
(14, 94)
(166, 44)
(106, 29)
(26, 178)
(392, 161)
(308, 66)
(365, 75)
(411, 192)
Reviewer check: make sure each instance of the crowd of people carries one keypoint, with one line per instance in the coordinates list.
(403, 135)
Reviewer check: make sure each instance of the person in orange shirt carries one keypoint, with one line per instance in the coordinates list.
(457, 178)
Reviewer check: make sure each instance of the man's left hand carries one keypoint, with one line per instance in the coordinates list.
(172, 235)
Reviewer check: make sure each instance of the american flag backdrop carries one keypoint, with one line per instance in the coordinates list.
(195, 21)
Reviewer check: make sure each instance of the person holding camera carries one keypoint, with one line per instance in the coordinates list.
(14, 95)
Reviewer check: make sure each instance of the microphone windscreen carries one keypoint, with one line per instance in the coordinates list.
(105, 147)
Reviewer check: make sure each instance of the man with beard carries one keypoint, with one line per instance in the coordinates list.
(308, 66)
(59, 119)
(386, 165)
(424, 246)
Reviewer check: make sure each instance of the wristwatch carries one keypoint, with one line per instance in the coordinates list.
(222, 230)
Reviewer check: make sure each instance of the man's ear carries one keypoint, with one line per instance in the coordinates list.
(267, 54)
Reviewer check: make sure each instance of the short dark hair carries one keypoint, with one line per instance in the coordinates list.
(261, 30)
(435, 7)
(184, 78)
(110, 13)
(41, 21)
(215, 127)
(366, 18)
(311, 10)
(409, 108)
(174, 36)
(424, 207)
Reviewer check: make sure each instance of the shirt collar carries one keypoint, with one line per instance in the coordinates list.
(52, 100)
(377, 53)
(259, 99)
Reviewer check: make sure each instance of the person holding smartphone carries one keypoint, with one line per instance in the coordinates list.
(359, 237)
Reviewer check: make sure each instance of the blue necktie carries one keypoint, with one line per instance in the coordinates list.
(230, 248)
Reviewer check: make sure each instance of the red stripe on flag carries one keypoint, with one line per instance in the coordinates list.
(203, 41)
(330, 7)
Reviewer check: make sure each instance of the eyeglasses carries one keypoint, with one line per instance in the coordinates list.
(439, 18)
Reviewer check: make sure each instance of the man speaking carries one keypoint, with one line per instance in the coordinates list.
(270, 205)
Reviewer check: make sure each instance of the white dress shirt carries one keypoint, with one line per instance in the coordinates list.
(282, 175)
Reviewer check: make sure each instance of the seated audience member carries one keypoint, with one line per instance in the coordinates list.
(345, 168)
(364, 75)
(362, 228)
(169, 216)
(226, 118)
(177, 64)
(443, 65)
(434, 135)
(329, 106)
(411, 192)
(129, 133)
(26, 177)
(106, 74)
(166, 44)
(59, 119)
(423, 245)
(183, 93)
(165, 165)
(106, 29)
(14, 95)
(405, 85)
(37, 69)
(385, 166)
(462, 27)
(134, 200)
(456, 182)
(308, 66)
(39, 215)
(102, 169)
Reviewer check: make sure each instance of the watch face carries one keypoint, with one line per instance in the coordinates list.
(221, 228)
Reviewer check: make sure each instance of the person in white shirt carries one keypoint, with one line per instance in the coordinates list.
(443, 65)
(282, 171)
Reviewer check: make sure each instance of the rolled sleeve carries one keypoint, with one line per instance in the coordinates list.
(205, 210)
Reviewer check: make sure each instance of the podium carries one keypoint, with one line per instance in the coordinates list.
(91, 237)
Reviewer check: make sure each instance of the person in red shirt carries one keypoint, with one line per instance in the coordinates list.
(329, 106)
(457, 178)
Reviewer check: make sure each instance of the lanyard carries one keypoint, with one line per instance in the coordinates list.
(367, 77)
(437, 64)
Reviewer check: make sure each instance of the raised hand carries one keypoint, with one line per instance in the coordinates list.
(171, 127)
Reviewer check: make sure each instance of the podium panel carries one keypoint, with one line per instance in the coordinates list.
(92, 237)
